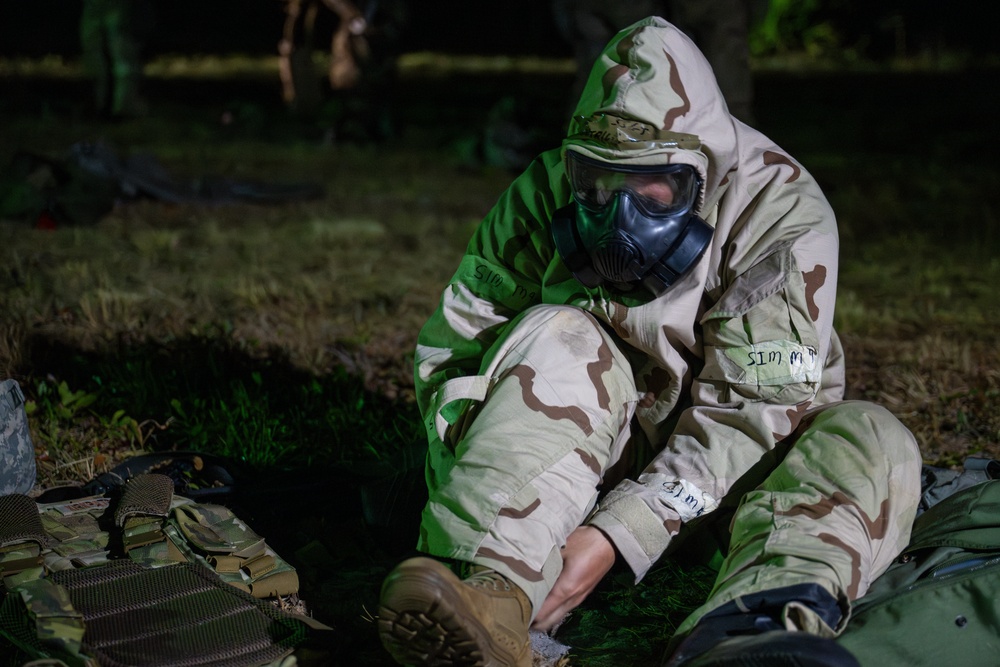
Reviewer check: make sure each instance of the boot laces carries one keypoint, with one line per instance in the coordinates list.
(489, 579)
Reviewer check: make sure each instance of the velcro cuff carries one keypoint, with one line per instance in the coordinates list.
(637, 533)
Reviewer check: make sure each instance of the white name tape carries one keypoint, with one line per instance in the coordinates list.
(684, 497)
(775, 362)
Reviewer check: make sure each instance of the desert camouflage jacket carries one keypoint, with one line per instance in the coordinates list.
(730, 357)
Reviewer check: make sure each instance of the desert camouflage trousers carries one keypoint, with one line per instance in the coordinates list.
(519, 468)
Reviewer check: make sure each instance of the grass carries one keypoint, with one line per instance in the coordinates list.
(198, 395)
(635, 621)
(281, 337)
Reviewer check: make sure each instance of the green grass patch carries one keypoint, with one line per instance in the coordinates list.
(912, 281)
(623, 618)
(197, 395)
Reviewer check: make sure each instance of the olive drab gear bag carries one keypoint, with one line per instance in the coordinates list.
(17, 454)
(939, 603)
(143, 576)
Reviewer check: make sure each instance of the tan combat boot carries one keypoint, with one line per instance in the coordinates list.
(428, 616)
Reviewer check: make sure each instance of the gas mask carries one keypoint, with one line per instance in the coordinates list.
(630, 226)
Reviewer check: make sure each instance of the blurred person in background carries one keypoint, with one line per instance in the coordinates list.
(357, 104)
(718, 27)
(299, 86)
(112, 35)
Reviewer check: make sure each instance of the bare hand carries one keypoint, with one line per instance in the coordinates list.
(587, 557)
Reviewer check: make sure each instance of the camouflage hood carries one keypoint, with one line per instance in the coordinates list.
(652, 98)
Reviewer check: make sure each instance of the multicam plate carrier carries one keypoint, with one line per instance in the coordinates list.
(144, 578)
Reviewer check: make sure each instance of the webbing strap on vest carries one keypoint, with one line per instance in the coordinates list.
(142, 508)
(21, 535)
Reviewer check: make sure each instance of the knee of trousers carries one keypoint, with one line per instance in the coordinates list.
(881, 450)
(550, 336)
(554, 367)
(543, 319)
(564, 363)
(879, 431)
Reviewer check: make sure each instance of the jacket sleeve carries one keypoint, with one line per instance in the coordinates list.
(499, 276)
(765, 340)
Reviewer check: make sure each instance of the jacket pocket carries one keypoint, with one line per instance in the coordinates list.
(760, 341)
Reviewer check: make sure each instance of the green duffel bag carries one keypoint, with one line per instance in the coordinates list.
(939, 603)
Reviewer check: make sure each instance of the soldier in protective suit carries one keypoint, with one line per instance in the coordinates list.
(657, 291)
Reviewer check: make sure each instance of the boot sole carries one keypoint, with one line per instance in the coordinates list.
(421, 620)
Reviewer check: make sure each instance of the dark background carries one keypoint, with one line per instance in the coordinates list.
(254, 27)
(517, 27)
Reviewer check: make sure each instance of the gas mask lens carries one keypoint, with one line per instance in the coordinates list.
(658, 189)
